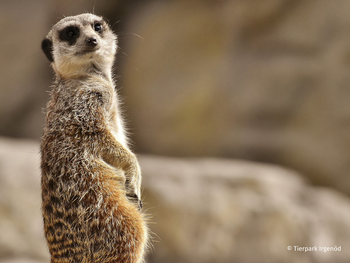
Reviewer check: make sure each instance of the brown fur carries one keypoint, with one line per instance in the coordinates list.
(90, 179)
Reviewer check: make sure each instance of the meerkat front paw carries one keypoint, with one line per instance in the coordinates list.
(133, 195)
(133, 183)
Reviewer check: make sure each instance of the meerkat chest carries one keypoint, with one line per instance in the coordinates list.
(120, 136)
(116, 123)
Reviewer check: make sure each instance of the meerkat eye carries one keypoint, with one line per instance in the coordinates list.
(70, 33)
(98, 27)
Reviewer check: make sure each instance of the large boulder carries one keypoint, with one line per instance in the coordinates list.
(21, 228)
(201, 210)
(224, 211)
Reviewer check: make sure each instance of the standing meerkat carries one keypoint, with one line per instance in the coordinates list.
(90, 178)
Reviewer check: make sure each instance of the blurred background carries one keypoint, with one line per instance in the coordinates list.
(239, 111)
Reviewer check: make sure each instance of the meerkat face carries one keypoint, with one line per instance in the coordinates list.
(79, 43)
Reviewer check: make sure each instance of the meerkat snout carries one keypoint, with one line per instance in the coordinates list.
(91, 41)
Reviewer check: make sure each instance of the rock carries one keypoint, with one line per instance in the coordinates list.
(201, 210)
(21, 230)
(265, 81)
(224, 211)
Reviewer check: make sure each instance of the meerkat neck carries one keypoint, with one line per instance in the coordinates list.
(105, 70)
(92, 74)
(77, 71)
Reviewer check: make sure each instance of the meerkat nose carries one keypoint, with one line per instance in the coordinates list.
(91, 41)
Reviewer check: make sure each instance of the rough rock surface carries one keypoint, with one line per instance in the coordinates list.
(224, 211)
(259, 80)
(21, 234)
(203, 210)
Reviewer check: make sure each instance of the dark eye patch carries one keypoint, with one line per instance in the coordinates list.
(69, 34)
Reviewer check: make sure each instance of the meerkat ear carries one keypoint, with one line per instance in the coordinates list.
(46, 46)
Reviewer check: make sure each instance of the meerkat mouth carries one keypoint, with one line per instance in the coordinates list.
(87, 51)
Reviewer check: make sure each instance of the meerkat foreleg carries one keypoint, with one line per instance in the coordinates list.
(120, 157)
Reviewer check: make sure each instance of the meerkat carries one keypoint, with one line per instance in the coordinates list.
(90, 178)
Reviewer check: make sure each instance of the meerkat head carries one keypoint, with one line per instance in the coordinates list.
(80, 44)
